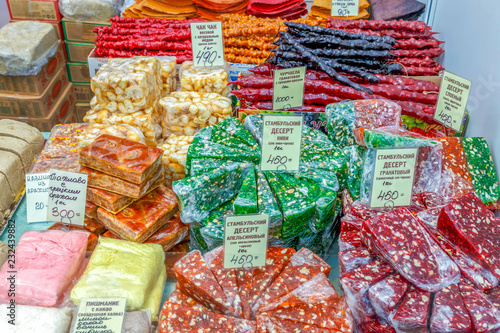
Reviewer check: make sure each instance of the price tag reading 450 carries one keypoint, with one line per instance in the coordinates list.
(345, 8)
(281, 140)
(288, 88)
(453, 96)
(67, 195)
(245, 240)
(206, 40)
(393, 177)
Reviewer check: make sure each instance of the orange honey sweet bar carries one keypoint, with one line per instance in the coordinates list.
(110, 201)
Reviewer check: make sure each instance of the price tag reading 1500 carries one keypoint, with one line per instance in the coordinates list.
(206, 40)
(281, 141)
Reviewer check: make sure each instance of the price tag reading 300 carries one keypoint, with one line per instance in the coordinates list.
(345, 8)
(206, 40)
(281, 141)
(393, 177)
(67, 195)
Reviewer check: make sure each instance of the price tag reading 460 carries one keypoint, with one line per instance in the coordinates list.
(245, 241)
(393, 177)
(345, 8)
(281, 140)
(288, 88)
(67, 195)
(453, 96)
(206, 40)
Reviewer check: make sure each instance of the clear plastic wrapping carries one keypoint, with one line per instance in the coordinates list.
(26, 47)
(110, 201)
(175, 149)
(153, 302)
(186, 112)
(137, 322)
(484, 315)
(411, 316)
(204, 79)
(246, 200)
(128, 84)
(386, 295)
(401, 239)
(4, 252)
(353, 258)
(119, 268)
(168, 74)
(46, 264)
(36, 319)
(90, 10)
(449, 313)
(171, 234)
(267, 204)
(93, 131)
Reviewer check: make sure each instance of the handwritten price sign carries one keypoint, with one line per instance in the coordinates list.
(67, 195)
(206, 40)
(345, 8)
(393, 177)
(281, 140)
(288, 88)
(452, 100)
(37, 196)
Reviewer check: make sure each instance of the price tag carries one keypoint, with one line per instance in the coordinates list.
(393, 177)
(345, 8)
(67, 195)
(453, 96)
(288, 88)
(100, 315)
(245, 240)
(37, 196)
(281, 141)
(206, 40)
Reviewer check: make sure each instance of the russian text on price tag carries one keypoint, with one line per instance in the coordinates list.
(67, 195)
(281, 141)
(245, 240)
(100, 315)
(288, 88)
(452, 101)
(345, 8)
(206, 40)
(392, 183)
(37, 196)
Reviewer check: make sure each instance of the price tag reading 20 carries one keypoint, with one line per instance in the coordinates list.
(452, 100)
(281, 141)
(67, 195)
(206, 40)
(392, 183)
(345, 8)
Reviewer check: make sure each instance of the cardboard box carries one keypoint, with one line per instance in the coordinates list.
(81, 110)
(33, 84)
(78, 52)
(35, 106)
(57, 26)
(47, 10)
(60, 112)
(83, 93)
(78, 73)
(79, 31)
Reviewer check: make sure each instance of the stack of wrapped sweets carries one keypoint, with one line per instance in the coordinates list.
(289, 10)
(204, 79)
(125, 185)
(175, 150)
(213, 9)
(124, 269)
(164, 9)
(291, 293)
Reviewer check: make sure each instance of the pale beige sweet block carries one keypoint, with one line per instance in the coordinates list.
(188, 112)
(168, 75)
(204, 79)
(128, 85)
(175, 150)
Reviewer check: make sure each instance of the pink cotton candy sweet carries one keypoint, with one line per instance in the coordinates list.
(45, 263)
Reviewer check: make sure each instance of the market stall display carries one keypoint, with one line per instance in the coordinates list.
(39, 319)
(171, 9)
(289, 10)
(175, 149)
(90, 10)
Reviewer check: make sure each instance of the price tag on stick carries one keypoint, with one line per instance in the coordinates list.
(392, 183)
(245, 240)
(281, 141)
(100, 315)
(67, 195)
(453, 96)
(288, 88)
(37, 196)
(206, 41)
(345, 8)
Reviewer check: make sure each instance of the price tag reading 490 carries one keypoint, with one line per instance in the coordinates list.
(206, 40)
(288, 88)
(67, 195)
(345, 8)
(393, 177)
(281, 140)
(245, 240)
(453, 96)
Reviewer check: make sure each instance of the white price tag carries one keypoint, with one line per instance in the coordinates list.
(345, 8)
(37, 196)
(67, 195)
(206, 41)
(100, 315)
(452, 100)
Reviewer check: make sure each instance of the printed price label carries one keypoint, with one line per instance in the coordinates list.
(67, 195)
(281, 140)
(245, 240)
(345, 8)
(100, 315)
(453, 96)
(393, 177)
(206, 40)
(37, 196)
(288, 88)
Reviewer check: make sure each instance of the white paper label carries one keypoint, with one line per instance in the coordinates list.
(67, 195)
(206, 40)
(345, 8)
(452, 101)
(37, 196)
(100, 315)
